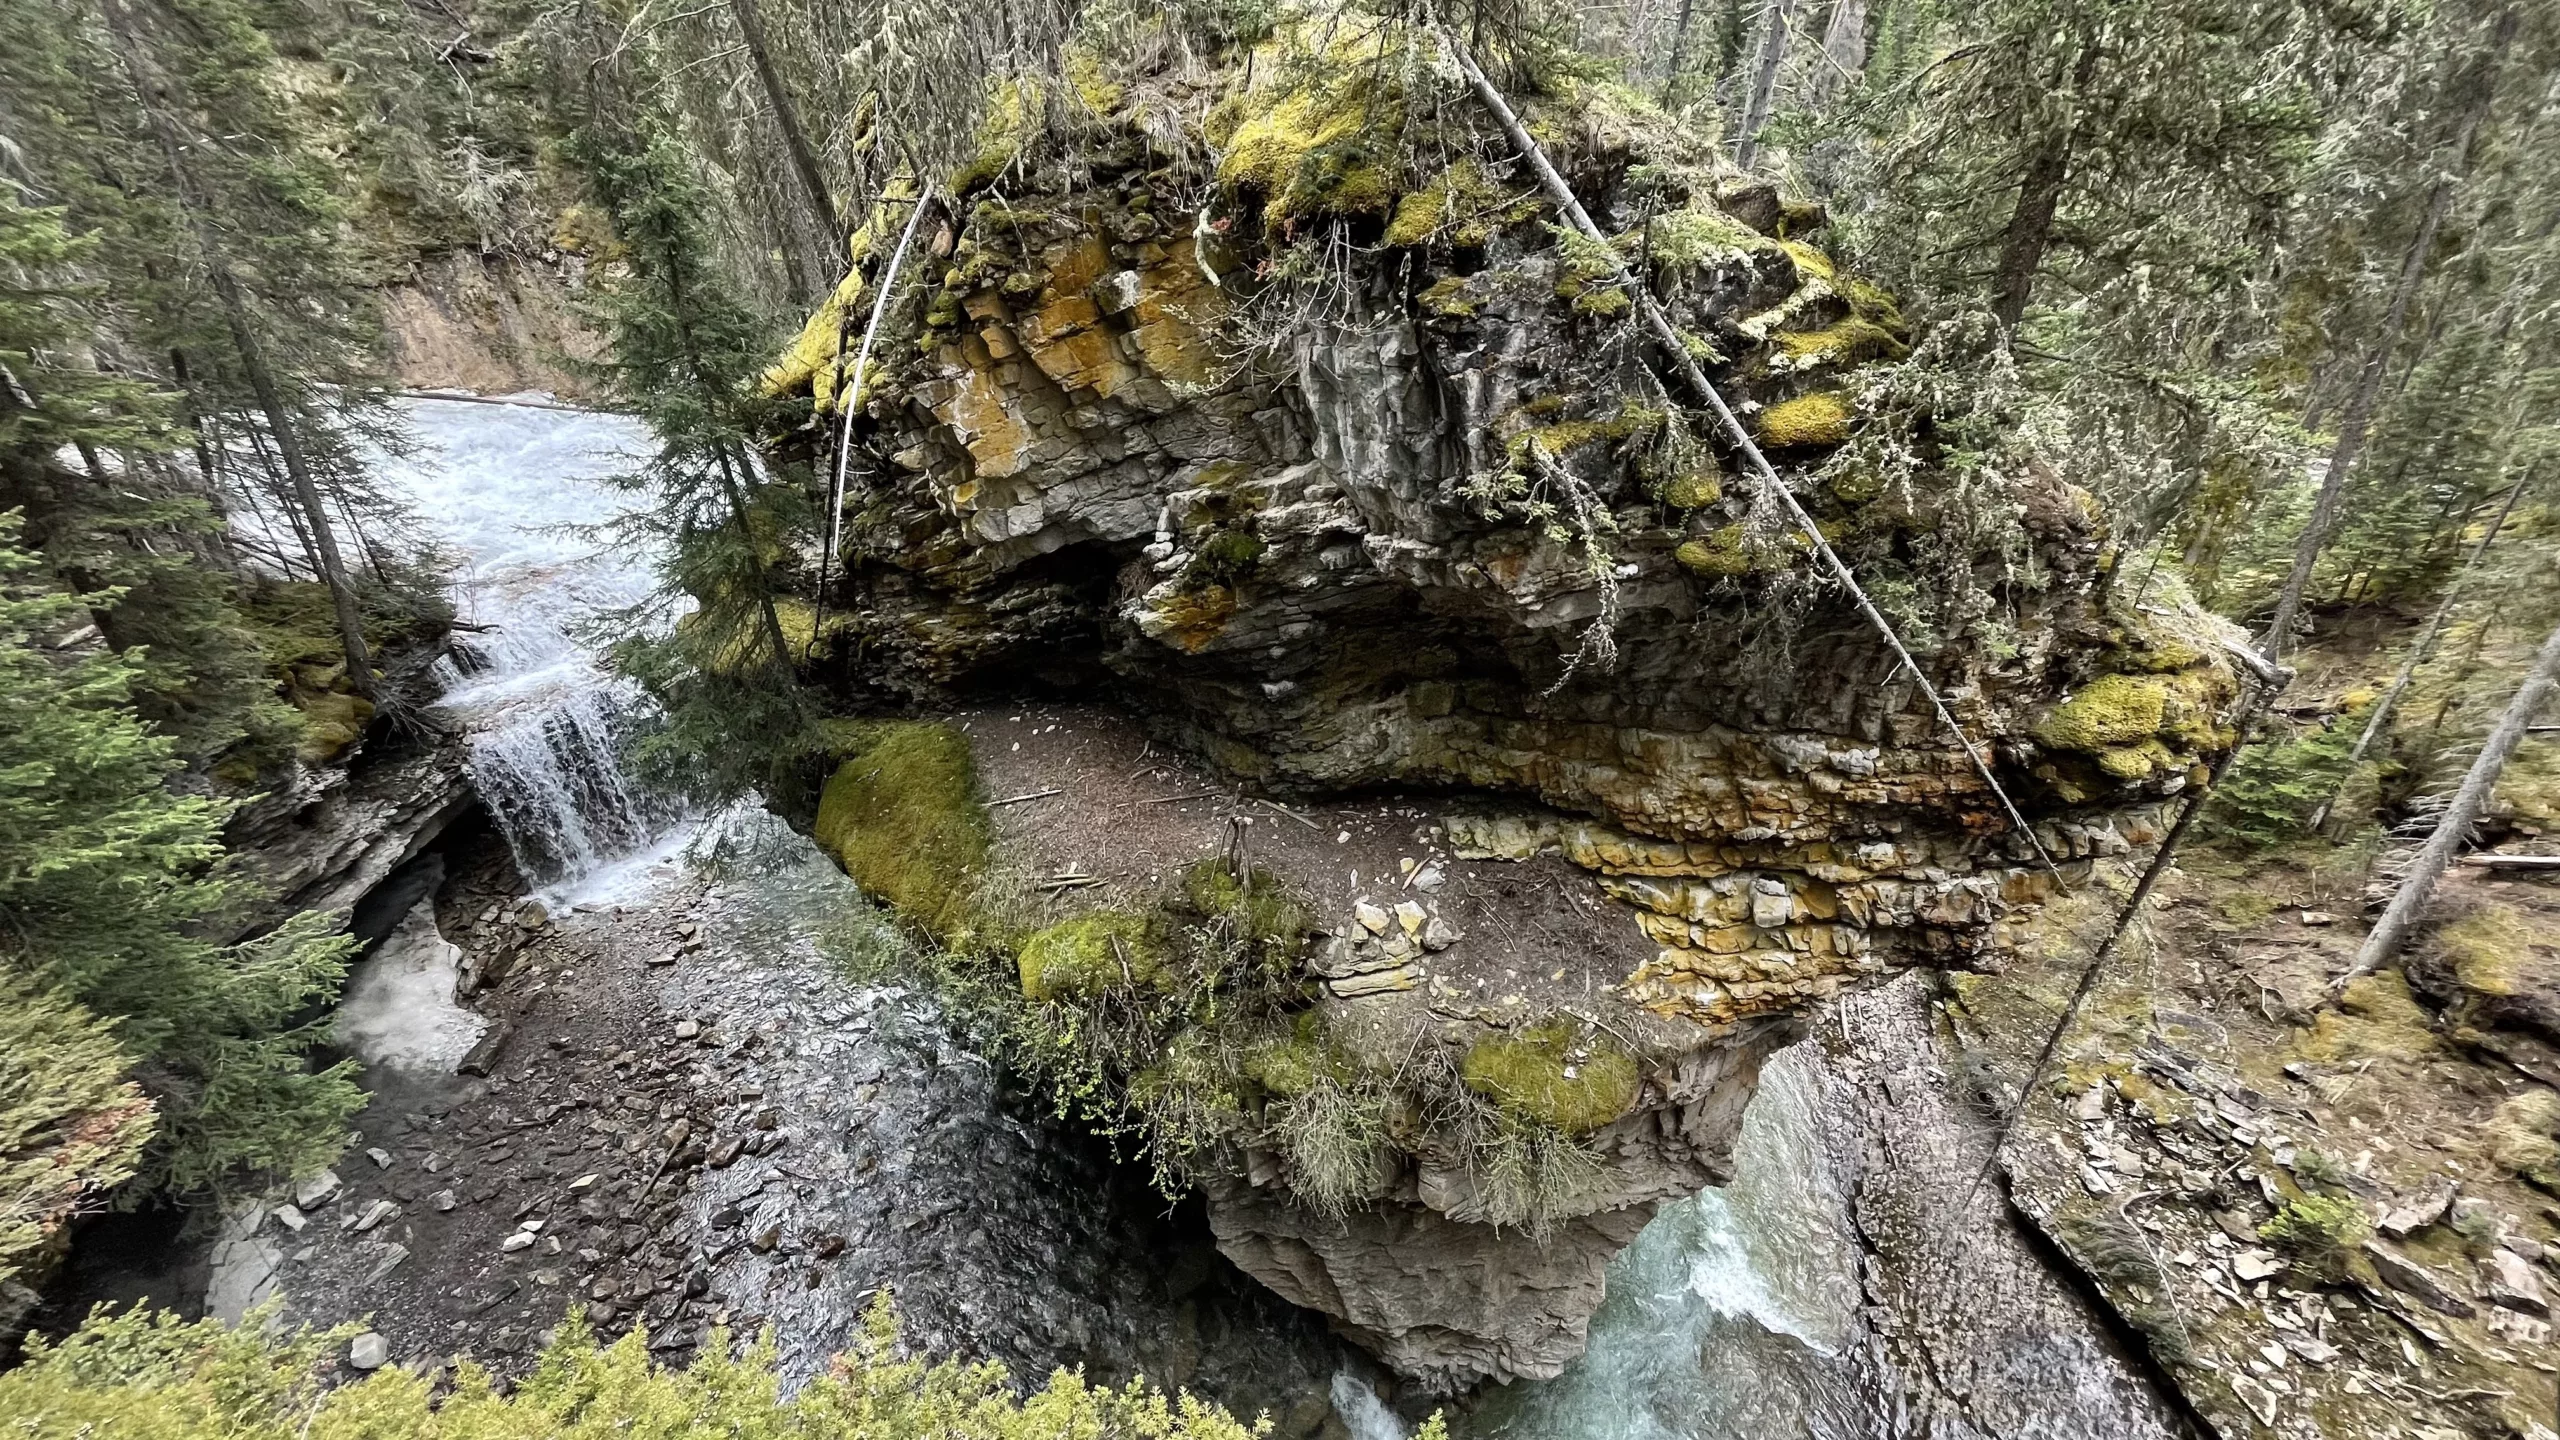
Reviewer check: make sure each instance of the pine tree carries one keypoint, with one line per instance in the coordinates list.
(109, 881)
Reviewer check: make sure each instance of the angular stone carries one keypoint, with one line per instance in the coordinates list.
(1371, 918)
(368, 1351)
(374, 1214)
(1411, 917)
(317, 1191)
(2510, 1281)
(1376, 983)
(2415, 1280)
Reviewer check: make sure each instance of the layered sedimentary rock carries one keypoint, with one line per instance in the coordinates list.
(1415, 511)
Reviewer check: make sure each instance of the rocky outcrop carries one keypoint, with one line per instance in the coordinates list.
(335, 832)
(493, 324)
(1414, 512)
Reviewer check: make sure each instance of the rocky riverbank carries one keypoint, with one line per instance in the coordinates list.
(681, 1116)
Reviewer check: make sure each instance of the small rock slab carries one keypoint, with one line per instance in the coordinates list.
(368, 1351)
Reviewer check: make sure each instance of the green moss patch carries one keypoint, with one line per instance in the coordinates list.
(1090, 954)
(1853, 341)
(1556, 1075)
(1807, 421)
(1320, 147)
(2108, 711)
(902, 816)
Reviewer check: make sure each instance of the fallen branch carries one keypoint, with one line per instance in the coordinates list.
(2513, 862)
(845, 402)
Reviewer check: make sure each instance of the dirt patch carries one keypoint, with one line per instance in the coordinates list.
(1094, 808)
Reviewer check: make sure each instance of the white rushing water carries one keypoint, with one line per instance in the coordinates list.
(505, 487)
(1727, 1317)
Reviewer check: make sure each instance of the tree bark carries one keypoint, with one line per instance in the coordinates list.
(2418, 653)
(1764, 81)
(2029, 233)
(253, 357)
(2541, 682)
(2478, 86)
(786, 118)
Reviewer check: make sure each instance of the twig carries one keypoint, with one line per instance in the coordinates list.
(1018, 799)
(1292, 814)
(1174, 799)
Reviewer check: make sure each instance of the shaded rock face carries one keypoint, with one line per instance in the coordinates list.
(1416, 543)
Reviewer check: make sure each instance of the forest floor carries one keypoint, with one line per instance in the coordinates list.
(2214, 1108)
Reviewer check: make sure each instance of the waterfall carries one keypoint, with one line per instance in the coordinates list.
(1729, 1314)
(505, 486)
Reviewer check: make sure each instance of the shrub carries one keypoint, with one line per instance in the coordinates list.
(110, 881)
(2319, 1231)
(149, 1375)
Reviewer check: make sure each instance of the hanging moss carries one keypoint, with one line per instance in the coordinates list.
(1556, 1075)
(902, 816)
(1819, 419)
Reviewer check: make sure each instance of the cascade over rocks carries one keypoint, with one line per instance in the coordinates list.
(1379, 552)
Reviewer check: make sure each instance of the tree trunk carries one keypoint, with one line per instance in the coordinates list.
(786, 118)
(253, 357)
(1764, 81)
(2029, 233)
(1679, 44)
(2418, 653)
(1844, 49)
(2478, 86)
(2541, 682)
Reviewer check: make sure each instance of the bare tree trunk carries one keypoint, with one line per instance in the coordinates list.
(2478, 87)
(253, 355)
(2541, 682)
(1764, 81)
(2418, 653)
(2030, 229)
(1844, 48)
(786, 117)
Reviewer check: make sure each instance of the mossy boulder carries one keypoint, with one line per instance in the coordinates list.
(2523, 1138)
(1695, 490)
(1555, 1074)
(1297, 1059)
(1083, 957)
(332, 722)
(901, 814)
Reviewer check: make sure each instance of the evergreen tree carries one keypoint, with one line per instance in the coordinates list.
(108, 884)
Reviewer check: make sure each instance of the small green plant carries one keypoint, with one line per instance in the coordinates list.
(2318, 1231)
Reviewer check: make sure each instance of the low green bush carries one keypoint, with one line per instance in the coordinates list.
(149, 1376)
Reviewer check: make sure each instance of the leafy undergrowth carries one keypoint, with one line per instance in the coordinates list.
(147, 1374)
(1186, 1022)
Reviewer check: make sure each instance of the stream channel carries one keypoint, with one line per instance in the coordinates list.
(898, 1157)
